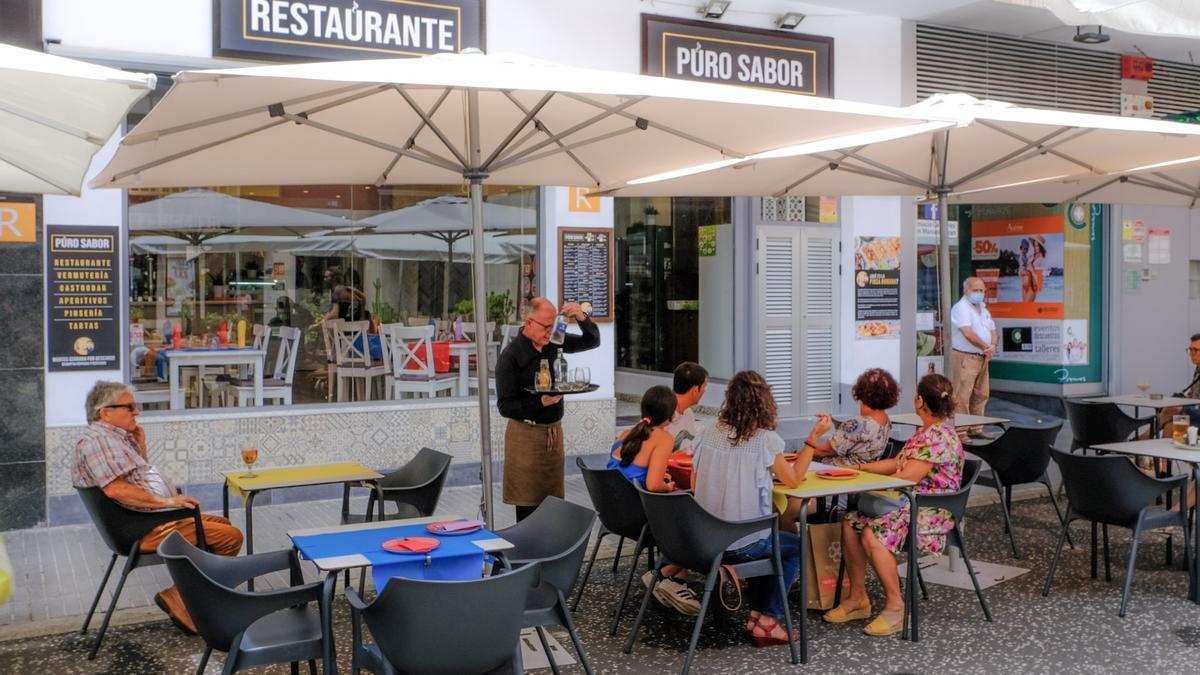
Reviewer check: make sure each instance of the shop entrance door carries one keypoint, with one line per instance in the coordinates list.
(797, 276)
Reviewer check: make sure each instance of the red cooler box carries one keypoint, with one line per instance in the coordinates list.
(441, 357)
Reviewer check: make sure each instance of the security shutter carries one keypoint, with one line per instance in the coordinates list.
(778, 291)
(1175, 88)
(817, 379)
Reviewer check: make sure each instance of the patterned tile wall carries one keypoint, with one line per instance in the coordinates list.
(196, 448)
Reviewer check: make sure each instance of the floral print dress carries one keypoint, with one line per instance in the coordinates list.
(939, 445)
(857, 441)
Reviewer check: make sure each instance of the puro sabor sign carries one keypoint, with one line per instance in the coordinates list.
(699, 50)
(345, 29)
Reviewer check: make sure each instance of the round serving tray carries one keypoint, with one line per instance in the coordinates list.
(554, 392)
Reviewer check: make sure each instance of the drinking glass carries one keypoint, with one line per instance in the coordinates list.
(582, 377)
(1144, 385)
(249, 457)
(1179, 424)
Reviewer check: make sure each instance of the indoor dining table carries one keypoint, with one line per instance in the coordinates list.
(222, 357)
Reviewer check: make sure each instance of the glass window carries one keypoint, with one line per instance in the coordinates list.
(675, 281)
(204, 260)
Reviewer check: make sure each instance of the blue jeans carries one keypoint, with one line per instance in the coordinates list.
(763, 594)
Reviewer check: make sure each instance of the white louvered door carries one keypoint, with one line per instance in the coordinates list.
(797, 284)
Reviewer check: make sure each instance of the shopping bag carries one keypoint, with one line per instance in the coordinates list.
(823, 558)
(6, 574)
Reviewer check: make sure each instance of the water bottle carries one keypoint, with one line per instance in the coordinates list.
(560, 371)
(560, 330)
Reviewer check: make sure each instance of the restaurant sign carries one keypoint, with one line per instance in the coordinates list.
(82, 308)
(750, 57)
(345, 29)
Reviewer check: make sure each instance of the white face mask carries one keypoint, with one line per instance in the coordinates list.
(975, 297)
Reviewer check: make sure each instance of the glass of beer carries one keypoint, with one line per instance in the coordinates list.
(249, 457)
(1179, 426)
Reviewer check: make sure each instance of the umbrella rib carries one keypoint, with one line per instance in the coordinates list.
(136, 138)
(900, 175)
(881, 176)
(516, 161)
(670, 130)
(436, 161)
(509, 159)
(37, 174)
(412, 139)
(1049, 148)
(1138, 180)
(41, 120)
(805, 179)
(1176, 181)
(539, 126)
(1013, 157)
(1089, 191)
(529, 115)
(191, 151)
(426, 119)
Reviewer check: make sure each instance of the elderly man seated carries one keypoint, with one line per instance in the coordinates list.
(111, 455)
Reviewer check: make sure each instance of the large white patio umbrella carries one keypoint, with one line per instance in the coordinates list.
(1173, 183)
(55, 113)
(993, 144)
(468, 117)
(200, 215)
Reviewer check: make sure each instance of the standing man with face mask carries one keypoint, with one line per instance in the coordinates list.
(973, 341)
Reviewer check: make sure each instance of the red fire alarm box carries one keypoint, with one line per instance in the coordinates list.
(1136, 67)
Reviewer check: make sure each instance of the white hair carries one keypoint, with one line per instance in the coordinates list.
(103, 394)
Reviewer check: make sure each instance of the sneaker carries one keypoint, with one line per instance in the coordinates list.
(677, 596)
(648, 578)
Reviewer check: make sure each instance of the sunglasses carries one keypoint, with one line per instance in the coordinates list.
(128, 406)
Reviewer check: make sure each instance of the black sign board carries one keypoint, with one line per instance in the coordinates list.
(586, 259)
(83, 279)
(750, 57)
(877, 295)
(345, 29)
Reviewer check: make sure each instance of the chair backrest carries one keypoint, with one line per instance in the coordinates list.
(411, 349)
(329, 329)
(615, 500)
(450, 627)
(469, 329)
(1090, 423)
(1105, 488)
(1021, 454)
(688, 535)
(422, 478)
(262, 336)
(119, 527)
(417, 321)
(955, 502)
(289, 349)
(555, 535)
(507, 333)
(353, 345)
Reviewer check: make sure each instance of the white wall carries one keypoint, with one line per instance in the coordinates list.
(176, 27)
(865, 217)
(555, 215)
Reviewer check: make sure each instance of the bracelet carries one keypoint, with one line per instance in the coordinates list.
(810, 444)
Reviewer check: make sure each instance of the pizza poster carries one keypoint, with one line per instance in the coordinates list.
(82, 306)
(877, 287)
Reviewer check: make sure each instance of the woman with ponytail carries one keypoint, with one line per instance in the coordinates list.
(641, 453)
(933, 459)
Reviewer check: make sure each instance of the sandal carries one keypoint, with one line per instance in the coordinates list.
(751, 622)
(773, 633)
(883, 626)
(841, 614)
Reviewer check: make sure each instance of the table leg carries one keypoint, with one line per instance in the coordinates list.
(803, 581)
(173, 384)
(464, 370)
(912, 601)
(250, 531)
(225, 499)
(328, 662)
(258, 383)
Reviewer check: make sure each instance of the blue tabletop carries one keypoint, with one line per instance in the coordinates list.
(455, 558)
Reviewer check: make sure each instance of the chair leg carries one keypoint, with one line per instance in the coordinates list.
(617, 558)
(99, 591)
(787, 619)
(204, 660)
(1133, 547)
(295, 665)
(708, 589)
(962, 548)
(1062, 537)
(1107, 565)
(637, 553)
(1095, 549)
(837, 592)
(1045, 480)
(637, 623)
(568, 622)
(920, 578)
(541, 633)
(312, 667)
(129, 563)
(1008, 526)
(588, 571)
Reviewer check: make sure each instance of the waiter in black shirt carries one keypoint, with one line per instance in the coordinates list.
(533, 442)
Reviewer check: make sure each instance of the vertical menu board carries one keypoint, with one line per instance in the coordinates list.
(586, 260)
(82, 306)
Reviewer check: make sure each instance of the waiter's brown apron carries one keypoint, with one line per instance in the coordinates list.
(533, 462)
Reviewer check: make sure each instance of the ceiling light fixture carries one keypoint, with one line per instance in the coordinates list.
(789, 21)
(1091, 38)
(715, 9)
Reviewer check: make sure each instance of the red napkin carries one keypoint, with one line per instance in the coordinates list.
(682, 459)
(837, 473)
(454, 526)
(411, 545)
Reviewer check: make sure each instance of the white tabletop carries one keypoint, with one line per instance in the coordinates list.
(344, 562)
(912, 419)
(1144, 401)
(1162, 448)
(177, 358)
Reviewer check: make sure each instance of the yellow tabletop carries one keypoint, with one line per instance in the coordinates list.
(815, 486)
(296, 476)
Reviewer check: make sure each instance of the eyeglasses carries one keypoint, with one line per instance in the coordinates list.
(128, 406)
(545, 326)
(1193, 350)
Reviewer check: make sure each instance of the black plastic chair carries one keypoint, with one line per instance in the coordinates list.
(122, 530)
(1110, 490)
(689, 536)
(413, 488)
(1018, 457)
(620, 510)
(956, 503)
(421, 627)
(253, 628)
(555, 536)
(1098, 423)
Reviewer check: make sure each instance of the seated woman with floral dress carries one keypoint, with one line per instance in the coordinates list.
(933, 458)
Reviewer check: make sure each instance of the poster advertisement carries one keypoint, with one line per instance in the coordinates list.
(706, 240)
(1041, 267)
(83, 311)
(181, 285)
(877, 287)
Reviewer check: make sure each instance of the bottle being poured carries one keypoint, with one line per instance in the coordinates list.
(559, 334)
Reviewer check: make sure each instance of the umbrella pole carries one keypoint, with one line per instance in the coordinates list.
(446, 278)
(481, 348)
(945, 300)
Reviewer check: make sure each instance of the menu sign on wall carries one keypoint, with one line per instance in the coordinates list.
(877, 287)
(585, 257)
(346, 29)
(749, 57)
(82, 306)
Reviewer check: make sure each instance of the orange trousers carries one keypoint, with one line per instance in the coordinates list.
(221, 537)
